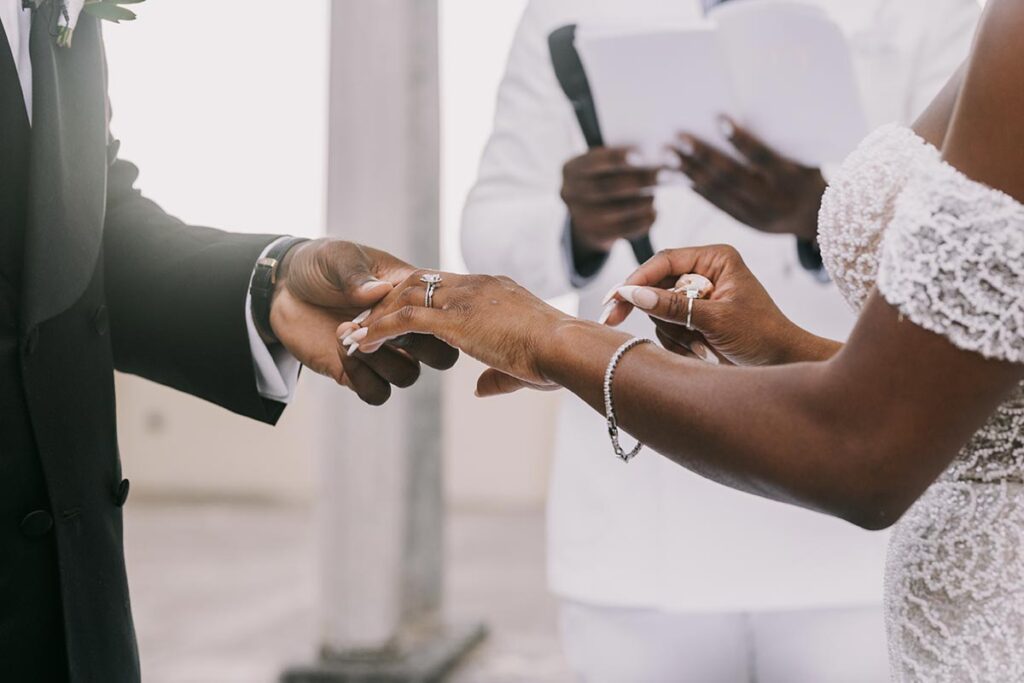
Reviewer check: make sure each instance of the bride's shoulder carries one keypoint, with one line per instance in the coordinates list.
(952, 258)
(986, 136)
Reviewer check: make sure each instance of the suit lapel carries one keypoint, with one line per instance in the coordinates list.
(67, 169)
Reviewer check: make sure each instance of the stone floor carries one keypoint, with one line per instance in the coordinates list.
(226, 593)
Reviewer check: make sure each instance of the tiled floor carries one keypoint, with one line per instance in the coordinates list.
(226, 593)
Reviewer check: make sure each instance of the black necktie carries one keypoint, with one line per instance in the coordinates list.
(14, 152)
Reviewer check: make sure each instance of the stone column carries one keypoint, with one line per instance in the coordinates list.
(381, 510)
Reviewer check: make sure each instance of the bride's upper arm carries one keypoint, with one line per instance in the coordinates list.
(985, 140)
(940, 344)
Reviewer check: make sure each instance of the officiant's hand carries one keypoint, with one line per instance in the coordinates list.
(491, 318)
(738, 323)
(324, 283)
(765, 190)
(610, 196)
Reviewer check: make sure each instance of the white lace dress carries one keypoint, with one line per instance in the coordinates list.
(949, 254)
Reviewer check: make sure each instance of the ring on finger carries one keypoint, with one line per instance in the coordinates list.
(691, 295)
(433, 281)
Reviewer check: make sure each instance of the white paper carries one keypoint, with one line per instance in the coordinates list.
(780, 67)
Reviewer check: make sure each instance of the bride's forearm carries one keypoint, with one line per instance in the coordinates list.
(774, 432)
(806, 347)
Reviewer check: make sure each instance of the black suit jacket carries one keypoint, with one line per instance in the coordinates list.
(109, 281)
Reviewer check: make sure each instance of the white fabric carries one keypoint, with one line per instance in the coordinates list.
(276, 370)
(615, 645)
(651, 534)
(947, 252)
(952, 261)
(17, 23)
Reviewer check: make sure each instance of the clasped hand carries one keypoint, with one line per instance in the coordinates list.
(324, 283)
(359, 315)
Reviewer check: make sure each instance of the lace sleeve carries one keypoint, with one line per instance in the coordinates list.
(952, 261)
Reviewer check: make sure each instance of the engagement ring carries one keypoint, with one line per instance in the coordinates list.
(432, 280)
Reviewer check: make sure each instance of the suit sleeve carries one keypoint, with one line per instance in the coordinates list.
(176, 295)
(514, 219)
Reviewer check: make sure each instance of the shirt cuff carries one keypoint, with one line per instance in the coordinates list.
(577, 279)
(277, 371)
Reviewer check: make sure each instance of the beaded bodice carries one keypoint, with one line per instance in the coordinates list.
(948, 252)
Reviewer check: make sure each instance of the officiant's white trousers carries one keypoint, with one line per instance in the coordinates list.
(616, 645)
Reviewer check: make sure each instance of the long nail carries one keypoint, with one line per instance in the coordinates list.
(704, 353)
(352, 349)
(685, 145)
(355, 336)
(635, 159)
(641, 297)
(358, 320)
(610, 295)
(725, 125)
(347, 329)
(607, 312)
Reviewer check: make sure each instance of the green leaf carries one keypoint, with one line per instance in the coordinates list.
(109, 11)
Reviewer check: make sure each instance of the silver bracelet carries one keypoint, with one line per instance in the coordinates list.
(609, 405)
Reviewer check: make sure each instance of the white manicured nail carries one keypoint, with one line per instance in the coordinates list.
(362, 316)
(685, 145)
(725, 125)
(704, 353)
(641, 297)
(610, 295)
(667, 176)
(352, 349)
(607, 312)
(355, 336)
(635, 159)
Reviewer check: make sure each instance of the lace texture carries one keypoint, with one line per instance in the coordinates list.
(949, 254)
(860, 202)
(953, 261)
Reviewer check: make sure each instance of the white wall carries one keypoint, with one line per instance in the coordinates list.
(224, 108)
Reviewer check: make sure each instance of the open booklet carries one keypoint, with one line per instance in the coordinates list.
(782, 68)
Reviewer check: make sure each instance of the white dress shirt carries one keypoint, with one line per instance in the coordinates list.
(276, 370)
(652, 534)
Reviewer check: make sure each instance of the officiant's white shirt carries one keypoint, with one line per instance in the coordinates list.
(651, 534)
(276, 370)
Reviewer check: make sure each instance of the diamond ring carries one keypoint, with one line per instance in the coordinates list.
(432, 280)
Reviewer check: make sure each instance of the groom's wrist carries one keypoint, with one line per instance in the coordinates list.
(268, 279)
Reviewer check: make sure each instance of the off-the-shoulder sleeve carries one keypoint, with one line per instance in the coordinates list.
(952, 261)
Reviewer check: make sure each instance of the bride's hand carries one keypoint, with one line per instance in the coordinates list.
(738, 321)
(491, 318)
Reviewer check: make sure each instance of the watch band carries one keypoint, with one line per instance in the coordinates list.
(264, 280)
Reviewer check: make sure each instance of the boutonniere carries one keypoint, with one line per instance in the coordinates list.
(68, 12)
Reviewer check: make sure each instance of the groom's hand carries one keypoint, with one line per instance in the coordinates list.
(324, 283)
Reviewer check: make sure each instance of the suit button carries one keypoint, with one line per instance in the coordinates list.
(31, 341)
(101, 321)
(36, 523)
(121, 495)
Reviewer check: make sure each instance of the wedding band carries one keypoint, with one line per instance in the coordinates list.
(691, 294)
(432, 280)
